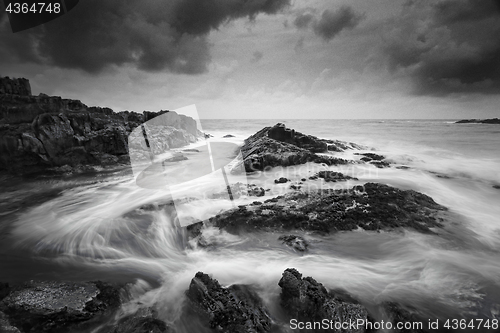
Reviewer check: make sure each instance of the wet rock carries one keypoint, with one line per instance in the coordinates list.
(374, 159)
(144, 321)
(279, 146)
(479, 121)
(496, 186)
(234, 309)
(371, 206)
(307, 300)
(42, 132)
(332, 176)
(5, 325)
(239, 189)
(296, 242)
(281, 180)
(396, 313)
(59, 306)
(228, 136)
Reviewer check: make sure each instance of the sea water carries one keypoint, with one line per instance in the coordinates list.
(88, 227)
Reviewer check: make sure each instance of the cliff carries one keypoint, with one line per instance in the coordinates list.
(39, 132)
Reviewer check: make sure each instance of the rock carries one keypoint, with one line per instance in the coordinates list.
(375, 159)
(479, 121)
(15, 86)
(496, 187)
(239, 189)
(306, 300)
(396, 313)
(282, 148)
(234, 309)
(144, 321)
(5, 326)
(297, 242)
(44, 132)
(371, 207)
(332, 176)
(228, 136)
(59, 306)
(282, 180)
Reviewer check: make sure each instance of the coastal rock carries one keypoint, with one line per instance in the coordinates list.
(306, 300)
(41, 132)
(374, 159)
(15, 86)
(59, 306)
(331, 176)
(296, 242)
(144, 321)
(234, 309)
(239, 189)
(371, 206)
(396, 313)
(479, 121)
(280, 146)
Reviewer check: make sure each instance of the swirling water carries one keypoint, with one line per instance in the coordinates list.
(88, 227)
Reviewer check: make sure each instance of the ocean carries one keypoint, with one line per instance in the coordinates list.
(87, 227)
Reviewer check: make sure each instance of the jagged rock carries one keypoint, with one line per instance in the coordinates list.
(306, 300)
(479, 121)
(40, 132)
(234, 309)
(297, 242)
(281, 180)
(371, 207)
(59, 306)
(15, 86)
(144, 321)
(396, 313)
(331, 176)
(262, 150)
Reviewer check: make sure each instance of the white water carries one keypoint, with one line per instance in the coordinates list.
(96, 231)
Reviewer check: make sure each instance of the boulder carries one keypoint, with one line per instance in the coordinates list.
(234, 309)
(371, 206)
(59, 306)
(306, 300)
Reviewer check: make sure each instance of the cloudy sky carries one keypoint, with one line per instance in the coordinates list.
(269, 58)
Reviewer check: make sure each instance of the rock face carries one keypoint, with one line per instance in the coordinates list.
(479, 121)
(281, 146)
(15, 86)
(372, 206)
(234, 309)
(306, 300)
(58, 306)
(38, 132)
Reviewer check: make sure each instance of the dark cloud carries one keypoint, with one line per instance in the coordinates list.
(149, 34)
(447, 46)
(330, 23)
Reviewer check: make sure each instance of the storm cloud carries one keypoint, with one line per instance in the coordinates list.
(151, 35)
(446, 46)
(330, 23)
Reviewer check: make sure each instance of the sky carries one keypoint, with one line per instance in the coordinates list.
(310, 59)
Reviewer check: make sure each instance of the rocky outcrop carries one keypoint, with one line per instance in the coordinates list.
(58, 306)
(39, 132)
(479, 121)
(296, 242)
(234, 309)
(143, 321)
(15, 86)
(371, 206)
(306, 300)
(281, 146)
(374, 159)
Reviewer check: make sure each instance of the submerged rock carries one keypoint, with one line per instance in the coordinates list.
(371, 206)
(234, 309)
(331, 176)
(374, 159)
(306, 300)
(59, 306)
(479, 121)
(296, 242)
